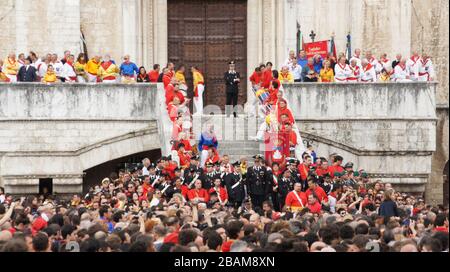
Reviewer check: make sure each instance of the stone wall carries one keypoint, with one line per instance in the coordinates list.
(387, 129)
(40, 25)
(58, 131)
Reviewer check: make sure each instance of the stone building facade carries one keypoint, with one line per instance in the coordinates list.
(140, 28)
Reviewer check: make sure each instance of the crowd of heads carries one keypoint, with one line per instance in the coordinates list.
(127, 212)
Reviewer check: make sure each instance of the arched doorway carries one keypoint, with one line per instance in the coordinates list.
(94, 175)
(445, 176)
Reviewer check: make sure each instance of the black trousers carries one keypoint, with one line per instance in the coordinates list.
(232, 99)
(257, 200)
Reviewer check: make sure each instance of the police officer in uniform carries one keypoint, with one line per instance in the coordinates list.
(234, 182)
(258, 182)
(232, 80)
(285, 185)
(208, 177)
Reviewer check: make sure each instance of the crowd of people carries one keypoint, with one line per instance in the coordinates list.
(358, 68)
(317, 205)
(289, 199)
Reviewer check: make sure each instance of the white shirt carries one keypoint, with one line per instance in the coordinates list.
(386, 64)
(426, 70)
(145, 171)
(68, 71)
(58, 66)
(289, 62)
(400, 73)
(355, 74)
(341, 72)
(368, 74)
(296, 71)
(412, 65)
(358, 61)
(374, 62)
(42, 69)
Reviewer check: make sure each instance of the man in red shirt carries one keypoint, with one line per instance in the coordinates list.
(324, 168)
(185, 159)
(314, 205)
(198, 194)
(167, 78)
(172, 92)
(336, 167)
(304, 168)
(267, 76)
(154, 74)
(221, 192)
(313, 188)
(257, 77)
(296, 200)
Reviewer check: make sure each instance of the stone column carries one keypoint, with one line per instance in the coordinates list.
(21, 29)
(160, 36)
(130, 28)
(254, 44)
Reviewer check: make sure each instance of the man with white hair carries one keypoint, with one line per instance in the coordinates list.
(401, 72)
(357, 57)
(146, 163)
(108, 70)
(412, 65)
(291, 59)
(285, 75)
(371, 59)
(368, 73)
(426, 69)
(355, 74)
(11, 67)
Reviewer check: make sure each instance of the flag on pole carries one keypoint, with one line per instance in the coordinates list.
(300, 41)
(349, 46)
(332, 47)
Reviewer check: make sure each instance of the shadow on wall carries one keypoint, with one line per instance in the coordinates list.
(95, 175)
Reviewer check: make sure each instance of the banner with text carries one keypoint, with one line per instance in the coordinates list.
(317, 48)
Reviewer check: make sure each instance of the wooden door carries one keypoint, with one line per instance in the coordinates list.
(209, 34)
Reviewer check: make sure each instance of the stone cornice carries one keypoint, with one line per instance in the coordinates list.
(130, 135)
(360, 152)
(367, 119)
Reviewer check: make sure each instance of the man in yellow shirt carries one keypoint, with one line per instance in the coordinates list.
(108, 71)
(179, 75)
(11, 67)
(285, 75)
(92, 68)
(199, 88)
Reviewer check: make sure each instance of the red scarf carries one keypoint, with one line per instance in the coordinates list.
(368, 67)
(355, 70)
(340, 65)
(311, 66)
(414, 59)
(106, 64)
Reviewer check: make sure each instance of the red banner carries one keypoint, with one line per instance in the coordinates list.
(317, 48)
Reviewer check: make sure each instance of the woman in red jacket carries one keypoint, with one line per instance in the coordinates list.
(282, 109)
